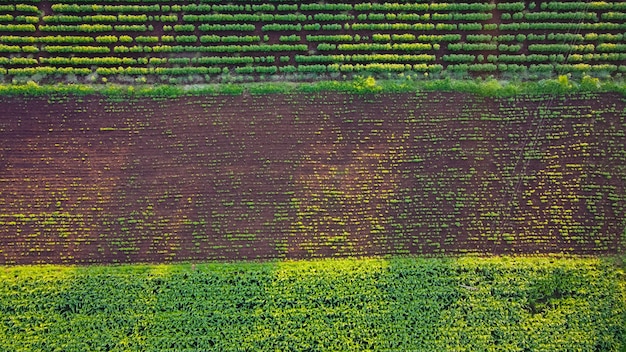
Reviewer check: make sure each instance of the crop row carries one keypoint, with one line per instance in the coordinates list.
(340, 7)
(89, 25)
(520, 38)
(579, 68)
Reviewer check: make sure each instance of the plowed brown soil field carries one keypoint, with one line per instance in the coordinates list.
(91, 180)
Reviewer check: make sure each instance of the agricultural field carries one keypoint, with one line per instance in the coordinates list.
(453, 304)
(189, 175)
(90, 179)
(199, 41)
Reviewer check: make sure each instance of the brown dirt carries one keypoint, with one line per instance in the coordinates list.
(89, 180)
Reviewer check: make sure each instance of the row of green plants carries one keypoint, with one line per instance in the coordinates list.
(324, 17)
(482, 7)
(95, 19)
(88, 28)
(75, 8)
(554, 16)
(20, 8)
(508, 6)
(218, 60)
(484, 87)
(377, 37)
(562, 26)
(230, 48)
(472, 26)
(382, 58)
(419, 7)
(582, 5)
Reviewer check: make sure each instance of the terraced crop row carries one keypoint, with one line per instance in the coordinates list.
(195, 41)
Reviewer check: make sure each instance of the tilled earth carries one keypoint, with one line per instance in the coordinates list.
(93, 180)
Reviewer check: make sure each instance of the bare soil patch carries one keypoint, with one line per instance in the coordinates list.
(90, 180)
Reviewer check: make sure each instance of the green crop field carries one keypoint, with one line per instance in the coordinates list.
(465, 304)
(175, 175)
(208, 40)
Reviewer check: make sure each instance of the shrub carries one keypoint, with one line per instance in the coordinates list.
(611, 47)
(455, 58)
(275, 27)
(146, 39)
(131, 28)
(184, 28)
(243, 27)
(26, 8)
(470, 26)
(10, 48)
(289, 38)
(88, 49)
(483, 67)
(478, 37)
(186, 39)
(106, 39)
(332, 38)
(511, 6)
(17, 28)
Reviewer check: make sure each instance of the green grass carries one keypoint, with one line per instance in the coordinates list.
(360, 85)
(452, 304)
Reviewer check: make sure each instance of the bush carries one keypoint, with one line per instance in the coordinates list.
(439, 38)
(556, 16)
(610, 47)
(17, 28)
(472, 47)
(27, 8)
(332, 38)
(186, 39)
(455, 58)
(88, 49)
(478, 37)
(243, 27)
(15, 39)
(407, 37)
(184, 28)
(287, 69)
(365, 85)
(275, 27)
(289, 38)
(131, 28)
(10, 48)
(106, 39)
(470, 26)
(483, 68)
(511, 6)
(381, 38)
(512, 48)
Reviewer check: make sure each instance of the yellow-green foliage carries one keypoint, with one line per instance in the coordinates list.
(460, 304)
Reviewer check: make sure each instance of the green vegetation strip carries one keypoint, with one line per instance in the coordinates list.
(460, 304)
(360, 84)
